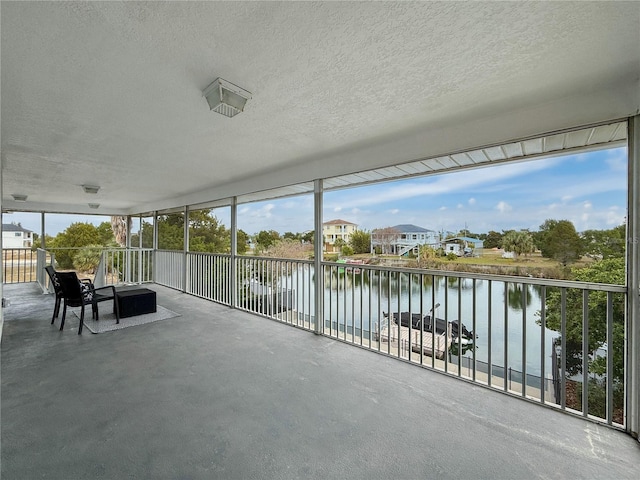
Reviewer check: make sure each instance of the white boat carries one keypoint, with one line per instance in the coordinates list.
(451, 332)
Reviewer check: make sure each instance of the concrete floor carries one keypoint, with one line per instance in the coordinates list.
(219, 393)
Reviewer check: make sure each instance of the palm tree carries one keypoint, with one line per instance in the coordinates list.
(120, 227)
(519, 243)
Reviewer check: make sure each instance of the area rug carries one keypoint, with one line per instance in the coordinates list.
(107, 322)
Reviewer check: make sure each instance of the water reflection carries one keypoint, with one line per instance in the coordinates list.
(355, 301)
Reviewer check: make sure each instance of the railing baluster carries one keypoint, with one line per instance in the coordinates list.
(474, 330)
(433, 322)
(563, 347)
(610, 354)
(585, 353)
(505, 337)
(446, 325)
(459, 339)
(543, 328)
(421, 278)
(523, 381)
(489, 331)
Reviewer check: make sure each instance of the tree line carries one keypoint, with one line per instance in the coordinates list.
(559, 240)
(555, 239)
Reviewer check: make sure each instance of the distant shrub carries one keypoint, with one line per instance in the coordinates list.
(347, 250)
(87, 258)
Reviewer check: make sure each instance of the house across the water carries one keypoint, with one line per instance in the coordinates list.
(463, 246)
(402, 239)
(15, 235)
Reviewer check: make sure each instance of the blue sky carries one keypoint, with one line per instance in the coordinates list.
(589, 189)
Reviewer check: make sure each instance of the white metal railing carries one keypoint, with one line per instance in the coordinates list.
(125, 266)
(43, 258)
(209, 276)
(558, 343)
(169, 268)
(19, 265)
(278, 288)
(554, 342)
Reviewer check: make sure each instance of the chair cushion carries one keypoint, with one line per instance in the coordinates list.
(87, 292)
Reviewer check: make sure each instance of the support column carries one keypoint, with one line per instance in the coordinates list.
(633, 278)
(42, 232)
(185, 248)
(155, 231)
(127, 246)
(154, 245)
(234, 252)
(140, 264)
(317, 257)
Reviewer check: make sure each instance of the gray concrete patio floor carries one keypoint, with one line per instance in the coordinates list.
(219, 393)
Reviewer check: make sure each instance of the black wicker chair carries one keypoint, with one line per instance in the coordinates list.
(78, 294)
(58, 290)
(51, 271)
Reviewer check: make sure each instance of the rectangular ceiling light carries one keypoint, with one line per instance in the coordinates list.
(226, 98)
(19, 197)
(90, 188)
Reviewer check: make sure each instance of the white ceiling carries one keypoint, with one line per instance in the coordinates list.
(110, 93)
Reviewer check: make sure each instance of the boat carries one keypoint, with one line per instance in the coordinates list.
(426, 323)
(350, 261)
(434, 336)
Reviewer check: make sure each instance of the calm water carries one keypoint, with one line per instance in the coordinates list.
(359, 300)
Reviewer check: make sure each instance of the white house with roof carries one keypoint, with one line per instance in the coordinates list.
(463, 246)
(337, 229)
(402, 239)
(15, 235)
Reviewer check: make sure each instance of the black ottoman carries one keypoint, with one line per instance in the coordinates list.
(137, 301)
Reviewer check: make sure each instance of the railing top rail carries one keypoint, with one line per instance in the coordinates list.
(211, 254)
(275, 259)
(548, 282)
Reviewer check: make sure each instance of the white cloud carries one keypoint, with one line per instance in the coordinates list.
(265, 211)
(503, 207)
(472, 201)
(459, 206)
(617, 160)
(587, 205)
(337, 209)
(394, 211)
(443, 184)
(442, 208)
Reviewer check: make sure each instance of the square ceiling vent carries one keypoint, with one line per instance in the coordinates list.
(226, 98)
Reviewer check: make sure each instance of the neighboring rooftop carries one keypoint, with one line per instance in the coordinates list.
(409, 228)
(338, 222)
(13, 227)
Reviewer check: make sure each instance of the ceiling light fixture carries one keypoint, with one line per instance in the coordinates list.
(94, 205)
(18, 197)
(90, 188)
(226, 98)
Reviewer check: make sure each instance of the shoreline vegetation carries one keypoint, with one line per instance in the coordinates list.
(489, 261)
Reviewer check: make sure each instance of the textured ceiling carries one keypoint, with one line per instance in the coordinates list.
(110, 93)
